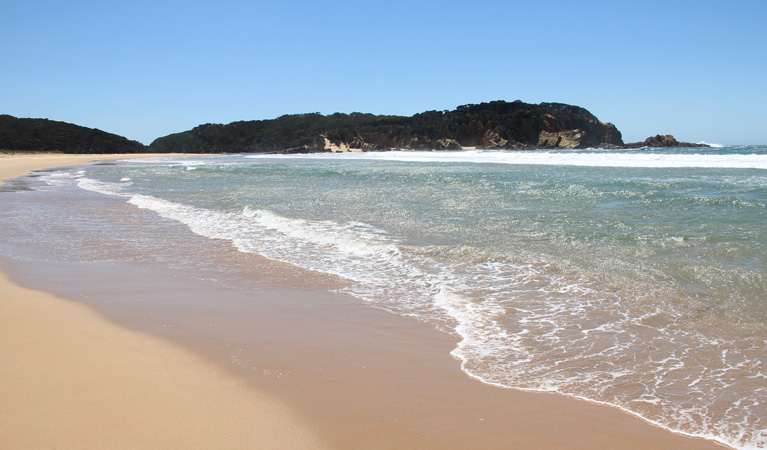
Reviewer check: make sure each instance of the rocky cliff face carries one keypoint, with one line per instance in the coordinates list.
(578, 129)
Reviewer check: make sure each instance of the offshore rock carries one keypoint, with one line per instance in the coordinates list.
(663, 141)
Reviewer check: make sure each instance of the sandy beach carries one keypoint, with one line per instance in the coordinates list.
(16, 165)
(345, 376)
(72, 379)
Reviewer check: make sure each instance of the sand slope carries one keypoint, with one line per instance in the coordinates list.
(71, 379)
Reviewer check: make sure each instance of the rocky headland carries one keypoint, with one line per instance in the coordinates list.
(494, 125)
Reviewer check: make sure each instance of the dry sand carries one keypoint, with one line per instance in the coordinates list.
(69, 378)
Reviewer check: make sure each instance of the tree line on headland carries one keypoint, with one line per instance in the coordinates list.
(493, 125)
(51, 136)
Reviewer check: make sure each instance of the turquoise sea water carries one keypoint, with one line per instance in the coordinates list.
(634, 278)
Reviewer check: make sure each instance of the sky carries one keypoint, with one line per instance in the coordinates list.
(146, 69)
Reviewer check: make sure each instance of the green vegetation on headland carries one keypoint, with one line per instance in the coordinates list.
(51, 136)
(493, 125)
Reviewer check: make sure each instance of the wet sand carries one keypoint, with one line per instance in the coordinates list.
(344, 375)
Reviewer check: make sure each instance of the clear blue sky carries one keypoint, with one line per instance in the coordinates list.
(145, 69)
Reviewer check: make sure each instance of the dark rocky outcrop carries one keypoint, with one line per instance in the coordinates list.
(493, 125)
(662, 141)
(52, 136)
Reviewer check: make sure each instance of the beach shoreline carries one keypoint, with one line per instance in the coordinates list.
(72, 378)
(14, 165)
(404, 396)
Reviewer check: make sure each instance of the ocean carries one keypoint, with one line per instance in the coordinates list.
(633, 278)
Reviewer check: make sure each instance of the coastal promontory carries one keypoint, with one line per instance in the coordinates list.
(493, 125)
(498, 125)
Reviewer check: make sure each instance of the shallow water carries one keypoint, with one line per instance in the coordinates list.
(634, 278)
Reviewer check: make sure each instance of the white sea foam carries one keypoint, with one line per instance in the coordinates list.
(356, 251)
(579, 158)
(166, 161)
(712, 145)
(102, 187)
(59, 178)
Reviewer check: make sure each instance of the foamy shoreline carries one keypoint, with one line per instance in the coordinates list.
(69, 367)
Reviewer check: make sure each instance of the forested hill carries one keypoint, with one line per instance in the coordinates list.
(494, 125)
(51, 136)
